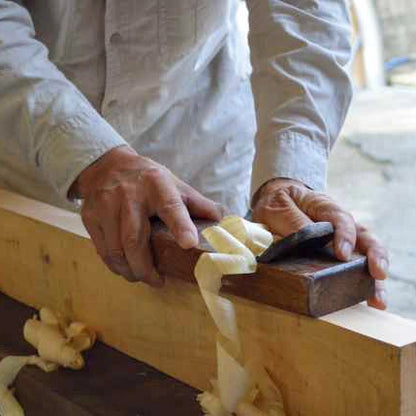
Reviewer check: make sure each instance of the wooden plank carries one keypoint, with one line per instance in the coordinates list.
(355, 361)
(111, 384)
(311, 285)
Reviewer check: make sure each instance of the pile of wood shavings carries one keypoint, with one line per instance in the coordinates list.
(58, 343)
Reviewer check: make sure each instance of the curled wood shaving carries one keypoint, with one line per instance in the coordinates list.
(51, 318)
(241, 389)
(58, 343)
(51, 344)
(224, 242)
(9, 369)
(253, 235)
(80, 336)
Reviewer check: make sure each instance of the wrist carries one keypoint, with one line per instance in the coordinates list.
(97, 170)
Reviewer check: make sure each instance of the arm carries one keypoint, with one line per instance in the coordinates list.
(299, 50)
(43, 117)
(47, 122)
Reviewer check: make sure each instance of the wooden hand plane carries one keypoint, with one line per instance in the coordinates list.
(298, 273)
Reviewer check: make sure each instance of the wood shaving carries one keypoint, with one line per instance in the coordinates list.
(242, 388)
(58, 343)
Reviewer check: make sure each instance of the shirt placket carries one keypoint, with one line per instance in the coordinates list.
(116, 18)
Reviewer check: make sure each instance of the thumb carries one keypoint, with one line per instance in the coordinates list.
(277, 210)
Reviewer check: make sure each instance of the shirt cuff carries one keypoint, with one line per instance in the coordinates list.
(72, 146)
(293, 156)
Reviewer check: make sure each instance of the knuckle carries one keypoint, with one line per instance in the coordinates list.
(108, 197)
(296, 191)
(282, 193)
(265, 212)
(361, 229)
(343, 218)
(187, 198)
(278, 198)
(320, 202)
(152, 175)
(170, 206)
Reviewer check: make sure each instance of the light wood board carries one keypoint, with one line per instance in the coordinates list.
(357, 361)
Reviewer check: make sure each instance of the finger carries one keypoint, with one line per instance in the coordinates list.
(168, 204)
(378, 259)
(379, 300)
(135, 234)
(200, 206)
(321, 208)
(279, 213)
(109, 214)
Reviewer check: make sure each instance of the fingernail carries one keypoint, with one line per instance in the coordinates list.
(383, 264)
(346, 249)
(187, 239)
(130, 277)
(222, 209)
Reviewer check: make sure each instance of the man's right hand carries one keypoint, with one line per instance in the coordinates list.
(121, 191)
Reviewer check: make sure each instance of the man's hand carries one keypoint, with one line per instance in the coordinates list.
(121, 191)
(286, 206)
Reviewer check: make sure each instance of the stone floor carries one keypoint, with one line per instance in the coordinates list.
(373, 173)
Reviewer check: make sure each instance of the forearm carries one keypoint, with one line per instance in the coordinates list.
(300, 85)
(43, 117)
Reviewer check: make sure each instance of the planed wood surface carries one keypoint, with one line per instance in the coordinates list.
(357, 361)
(111, 384)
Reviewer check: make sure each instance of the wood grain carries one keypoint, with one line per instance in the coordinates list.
(357, 361)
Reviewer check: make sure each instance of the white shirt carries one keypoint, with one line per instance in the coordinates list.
(171, 78)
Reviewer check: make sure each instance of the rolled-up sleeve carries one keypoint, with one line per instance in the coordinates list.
(299, 53)
(43, 117)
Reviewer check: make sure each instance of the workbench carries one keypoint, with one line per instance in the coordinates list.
(111, 384)
(352, 362)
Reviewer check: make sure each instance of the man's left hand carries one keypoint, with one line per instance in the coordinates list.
(285, 206)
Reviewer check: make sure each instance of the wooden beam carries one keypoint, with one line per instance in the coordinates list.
(352, 362)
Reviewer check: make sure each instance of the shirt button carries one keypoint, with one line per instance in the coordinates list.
(115, 38)
(112, 103)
